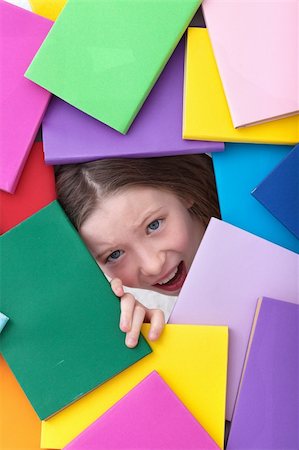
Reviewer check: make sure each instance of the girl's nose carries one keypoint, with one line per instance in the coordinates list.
(151, 263)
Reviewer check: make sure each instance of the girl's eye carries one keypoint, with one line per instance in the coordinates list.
(115, 255)
(153, 226)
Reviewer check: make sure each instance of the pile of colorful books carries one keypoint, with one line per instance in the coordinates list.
(141, 78)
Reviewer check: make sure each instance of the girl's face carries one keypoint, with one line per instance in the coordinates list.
(144, 236)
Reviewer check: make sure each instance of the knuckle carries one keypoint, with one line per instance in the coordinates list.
(159, 314)
(156, 316)
(127, 298)
(139, 308)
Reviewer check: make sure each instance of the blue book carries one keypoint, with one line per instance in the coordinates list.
(238, 170)
(279, 191)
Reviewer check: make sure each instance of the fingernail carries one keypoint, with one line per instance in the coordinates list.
(131, 342)
(152, 336)
(123, 325)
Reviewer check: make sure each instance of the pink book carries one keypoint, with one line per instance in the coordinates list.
(231, 270)
(149, 417)
(22, 103)
(256, 49)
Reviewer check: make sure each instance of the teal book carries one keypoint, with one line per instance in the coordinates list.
(104, 56)
(62, 339)
(238, 171)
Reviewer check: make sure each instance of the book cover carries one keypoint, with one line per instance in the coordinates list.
(62, 339)
(104, 57)
(20, 426)
(36, 189)
(50, 9)
(256, 50)
(206, 112)
(22, 103)
(267, 408)
(279, 191)
(21, 3)
(148, 417)
(69, 135)
(196, 373)
(229, 272)
(3, 321)
(237, 172)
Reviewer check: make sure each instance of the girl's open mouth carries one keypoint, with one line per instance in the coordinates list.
(176, 281)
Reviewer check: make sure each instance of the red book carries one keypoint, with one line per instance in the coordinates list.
(35, 190)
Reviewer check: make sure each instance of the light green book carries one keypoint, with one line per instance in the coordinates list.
(62, 339)
(104, 56)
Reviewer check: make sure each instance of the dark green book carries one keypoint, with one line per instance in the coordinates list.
(63, 337)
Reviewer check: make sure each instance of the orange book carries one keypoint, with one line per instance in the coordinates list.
(19, 425)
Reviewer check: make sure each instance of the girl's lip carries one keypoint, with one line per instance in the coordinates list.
(176, 282)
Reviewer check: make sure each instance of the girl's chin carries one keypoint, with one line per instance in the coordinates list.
(162, 291)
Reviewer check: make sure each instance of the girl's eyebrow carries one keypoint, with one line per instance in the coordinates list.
(148, 216)
(104, 248)
(101, 254)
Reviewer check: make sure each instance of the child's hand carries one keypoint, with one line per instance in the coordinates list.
(133, 314)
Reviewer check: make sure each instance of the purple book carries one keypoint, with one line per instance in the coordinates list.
(267, 410)
(71, 136)
(231, 270)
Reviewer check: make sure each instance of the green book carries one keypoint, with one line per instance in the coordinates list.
(63, 338)
(104, 56)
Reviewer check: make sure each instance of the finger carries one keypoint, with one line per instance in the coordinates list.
(157, 320)
(138, 317)
(117, 287)
(127, 304)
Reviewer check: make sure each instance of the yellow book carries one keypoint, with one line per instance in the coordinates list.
(206, 112)
(47, 8)
(192, 359)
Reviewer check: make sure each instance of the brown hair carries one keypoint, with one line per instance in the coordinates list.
(80, 187)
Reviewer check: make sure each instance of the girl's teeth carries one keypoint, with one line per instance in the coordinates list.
(172, 275)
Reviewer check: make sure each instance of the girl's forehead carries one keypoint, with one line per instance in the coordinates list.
(143, 195)
(131, 205)
(140, 191)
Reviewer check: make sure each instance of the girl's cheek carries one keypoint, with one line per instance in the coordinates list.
(112, 273)
(180, 240)
(126, 275)
(105, 268)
